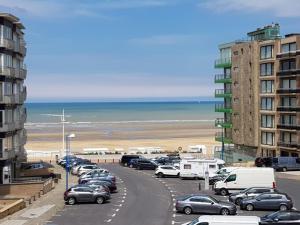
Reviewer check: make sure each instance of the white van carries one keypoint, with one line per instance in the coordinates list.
(196, 168)
(225, 220)
(225, 170)
(243, 178)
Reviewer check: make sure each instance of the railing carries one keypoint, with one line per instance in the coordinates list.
(221, 107)
(7, 153)
(7, 43)
(223, 62)
(288, 90)
(289, 144)
(223, 78)
(219, 138)
(292, 126)
(7, 71)
(292, 71)
(288, 108)
(222, 92)
(223, 122)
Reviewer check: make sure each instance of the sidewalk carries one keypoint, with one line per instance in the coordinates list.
(293, 175)
(43, 208)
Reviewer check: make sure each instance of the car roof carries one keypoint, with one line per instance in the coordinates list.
(228, 219)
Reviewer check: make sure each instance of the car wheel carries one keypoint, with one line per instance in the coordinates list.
(100, 200)
(238, 201)
(284, 169)
(224, 212)
(160, 175)
(71, 201)
(223, 192)
(178, 174)
(283, 208)
(187, 210)
(249, 207)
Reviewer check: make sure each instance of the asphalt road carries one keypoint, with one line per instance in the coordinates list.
(144, 199)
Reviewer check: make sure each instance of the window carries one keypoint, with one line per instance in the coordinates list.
(267, 138)
(267, 86)
(266, 69)
(267, 104)
(262, 190)
(7, 32)
(288, 137)
(288, 64)
(289, 47)
(266, 52)
(288, 119)
(288, 101)
(187, 166)
(231, 178)
(267, 121)
(288, 84)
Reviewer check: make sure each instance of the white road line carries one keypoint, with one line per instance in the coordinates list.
(108, 221)
(113, 215)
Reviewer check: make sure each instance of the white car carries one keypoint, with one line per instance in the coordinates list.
(75, 169)
(167, 170)
(86, 168)
(92, 172)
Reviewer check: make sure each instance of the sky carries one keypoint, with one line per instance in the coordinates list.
(135, 49)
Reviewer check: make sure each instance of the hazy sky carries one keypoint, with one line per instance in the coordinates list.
(95, 49)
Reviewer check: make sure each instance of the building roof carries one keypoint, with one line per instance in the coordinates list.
(15, 20)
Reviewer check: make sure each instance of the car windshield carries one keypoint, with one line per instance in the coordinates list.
(273, 215)
(213, 199)
(194, 222)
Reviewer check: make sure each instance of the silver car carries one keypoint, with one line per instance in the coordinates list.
(204, 204)
(249, 192)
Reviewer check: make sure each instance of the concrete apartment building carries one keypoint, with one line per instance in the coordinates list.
(12, 96)
(261, 92)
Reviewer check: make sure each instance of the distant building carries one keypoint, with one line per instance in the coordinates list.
(261, 92)
(12, 96)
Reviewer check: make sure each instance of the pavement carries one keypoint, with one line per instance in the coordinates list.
(144, 199)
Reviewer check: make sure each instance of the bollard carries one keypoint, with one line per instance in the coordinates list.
(199, 186)
(113, 160)
(105, 161)
(98, 161)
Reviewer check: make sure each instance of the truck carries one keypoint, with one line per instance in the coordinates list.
(196, 168)
(245, 177)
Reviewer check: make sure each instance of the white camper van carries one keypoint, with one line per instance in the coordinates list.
(196, 168)
(225, 220)
(242, 178)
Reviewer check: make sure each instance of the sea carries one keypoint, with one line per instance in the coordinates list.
(121, 112)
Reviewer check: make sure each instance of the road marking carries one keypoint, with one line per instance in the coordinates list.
(113, 215)
(108, 221)
(118, 205)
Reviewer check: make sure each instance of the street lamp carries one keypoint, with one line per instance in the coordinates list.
(222, 150)
(68, 150)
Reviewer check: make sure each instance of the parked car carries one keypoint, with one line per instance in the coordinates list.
(263, 162)
(85, 194)
(126, 159)
(94, 187)
(37, 169)
(167, 171)
(86, 168)
(100, 176)
(133, 162)
(239, 180)
(111, 185)
(249, 192)
(204, 204)
(225, 220)
(94, 172)
(286, 163)
(164, 160)
(267, 201)
(291, 217)
(145, 164)
(76, 168)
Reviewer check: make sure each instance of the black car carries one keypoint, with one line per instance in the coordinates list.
(133, 162)
(145, 164)
(126, 159)
(281, 218)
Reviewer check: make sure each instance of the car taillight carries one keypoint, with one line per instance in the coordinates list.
(274, 185)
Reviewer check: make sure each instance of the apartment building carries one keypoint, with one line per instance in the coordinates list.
(12, 96)
(261, 93)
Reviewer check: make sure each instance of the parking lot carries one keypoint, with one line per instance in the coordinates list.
(144, 199)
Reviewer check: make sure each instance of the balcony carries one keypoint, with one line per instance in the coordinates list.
(6, 43)
(7, 153)
(290, 72)
(288, 90)
(21, 73)
(288, 144)
(223, 123)
(223, 63)
(218, 137)
(20, 47)
(288, 126)
(6, 127)
(7, 71)
(222, 78)
(221, 107)
(221, 93)
(289, 108)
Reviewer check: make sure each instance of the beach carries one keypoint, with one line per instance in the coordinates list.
(125, 125)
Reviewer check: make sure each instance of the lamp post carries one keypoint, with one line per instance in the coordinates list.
(68, 148)
(222, 150)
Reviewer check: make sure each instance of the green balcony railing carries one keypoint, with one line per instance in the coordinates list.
(221, 93)
(221, 107)
(218, 137)
(223, 123)
(223, 78)
(223, 63)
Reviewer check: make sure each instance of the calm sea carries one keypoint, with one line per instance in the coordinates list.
(122, 112)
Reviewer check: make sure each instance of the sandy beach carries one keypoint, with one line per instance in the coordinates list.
(168, 136)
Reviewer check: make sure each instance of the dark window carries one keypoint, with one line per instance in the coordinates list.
(187, 166)
(266, 52)
(266, 69)
(231, 178)
(289, 47)
(267, 103)
(288, 64)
